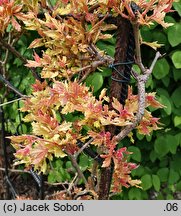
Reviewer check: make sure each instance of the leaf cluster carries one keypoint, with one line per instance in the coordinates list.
(70, 51)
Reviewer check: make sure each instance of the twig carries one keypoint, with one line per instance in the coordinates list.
(56, 184)
(84, 192)
(3, 63)
(55, 194)
(102, 61)
(76, 166)
(72, 184)
(157, 56)
(12, 49)
(83, 147)
(15, 170)
(141, 79)
(9, 85)
(12, 101)
(17, 54)
(137, 45)
(148, 7)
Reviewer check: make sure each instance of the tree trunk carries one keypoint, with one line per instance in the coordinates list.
(124, 52)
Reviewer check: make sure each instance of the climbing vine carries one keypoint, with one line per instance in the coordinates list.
(64, 107)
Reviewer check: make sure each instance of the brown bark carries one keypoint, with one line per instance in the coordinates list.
(122, 40)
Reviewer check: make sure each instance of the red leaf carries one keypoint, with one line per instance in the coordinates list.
(15, 24)
(25, 151)
(39, 86)
(4, 2)
(36, 43)
(39, 153)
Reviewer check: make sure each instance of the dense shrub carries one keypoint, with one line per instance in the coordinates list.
(156, 152)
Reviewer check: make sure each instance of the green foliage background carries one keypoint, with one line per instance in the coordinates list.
(159, 154)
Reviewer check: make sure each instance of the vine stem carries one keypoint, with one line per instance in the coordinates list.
(76, 166)
(137, 47)
(8, 46)
(83, 147)
(10, 86)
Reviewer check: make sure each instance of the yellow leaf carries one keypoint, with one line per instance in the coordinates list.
(97, 124)
(64, 10)
(43, 166)
(40, 129)
(154, 45)
(58, 152)
(65, 126)
(130, 135)
(102, 94)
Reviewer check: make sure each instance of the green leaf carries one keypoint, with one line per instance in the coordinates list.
(138, 172)
(176, 97)
(156, 182)
(69, 166)
(149, 137)
(166, 81)
(174, 33)
(62, 175)
(162, 91)
(136, 68)
(164, 162)
(55, 176)
(108, 48)
(51, 177)
(176, 56)
(173, 177)
(163, 174)
(178, 186)
(178, 137)
(166, 101)
(175, 163)
(95, 80)
(136, 153)
(146, 182)
(176, 74)
(23, 128)
(146, 34)
(177, 121)
(161, 69)
(106, 72)
(18, 62)
(168, 19)
(177, 7)
(83, 162)
(172, 143)
(111, 40)
(159, 36)
(153, 156)
(139, 136)
(58, 163)
(134, 194)
(53, 2)
(169, 197)
(161, 146)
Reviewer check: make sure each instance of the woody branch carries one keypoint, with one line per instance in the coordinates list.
(141, 82)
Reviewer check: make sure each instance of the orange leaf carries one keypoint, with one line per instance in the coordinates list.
(107, 161)
(36, 43)
(15, 24)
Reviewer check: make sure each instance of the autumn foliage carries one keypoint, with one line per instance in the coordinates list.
(68, 33)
